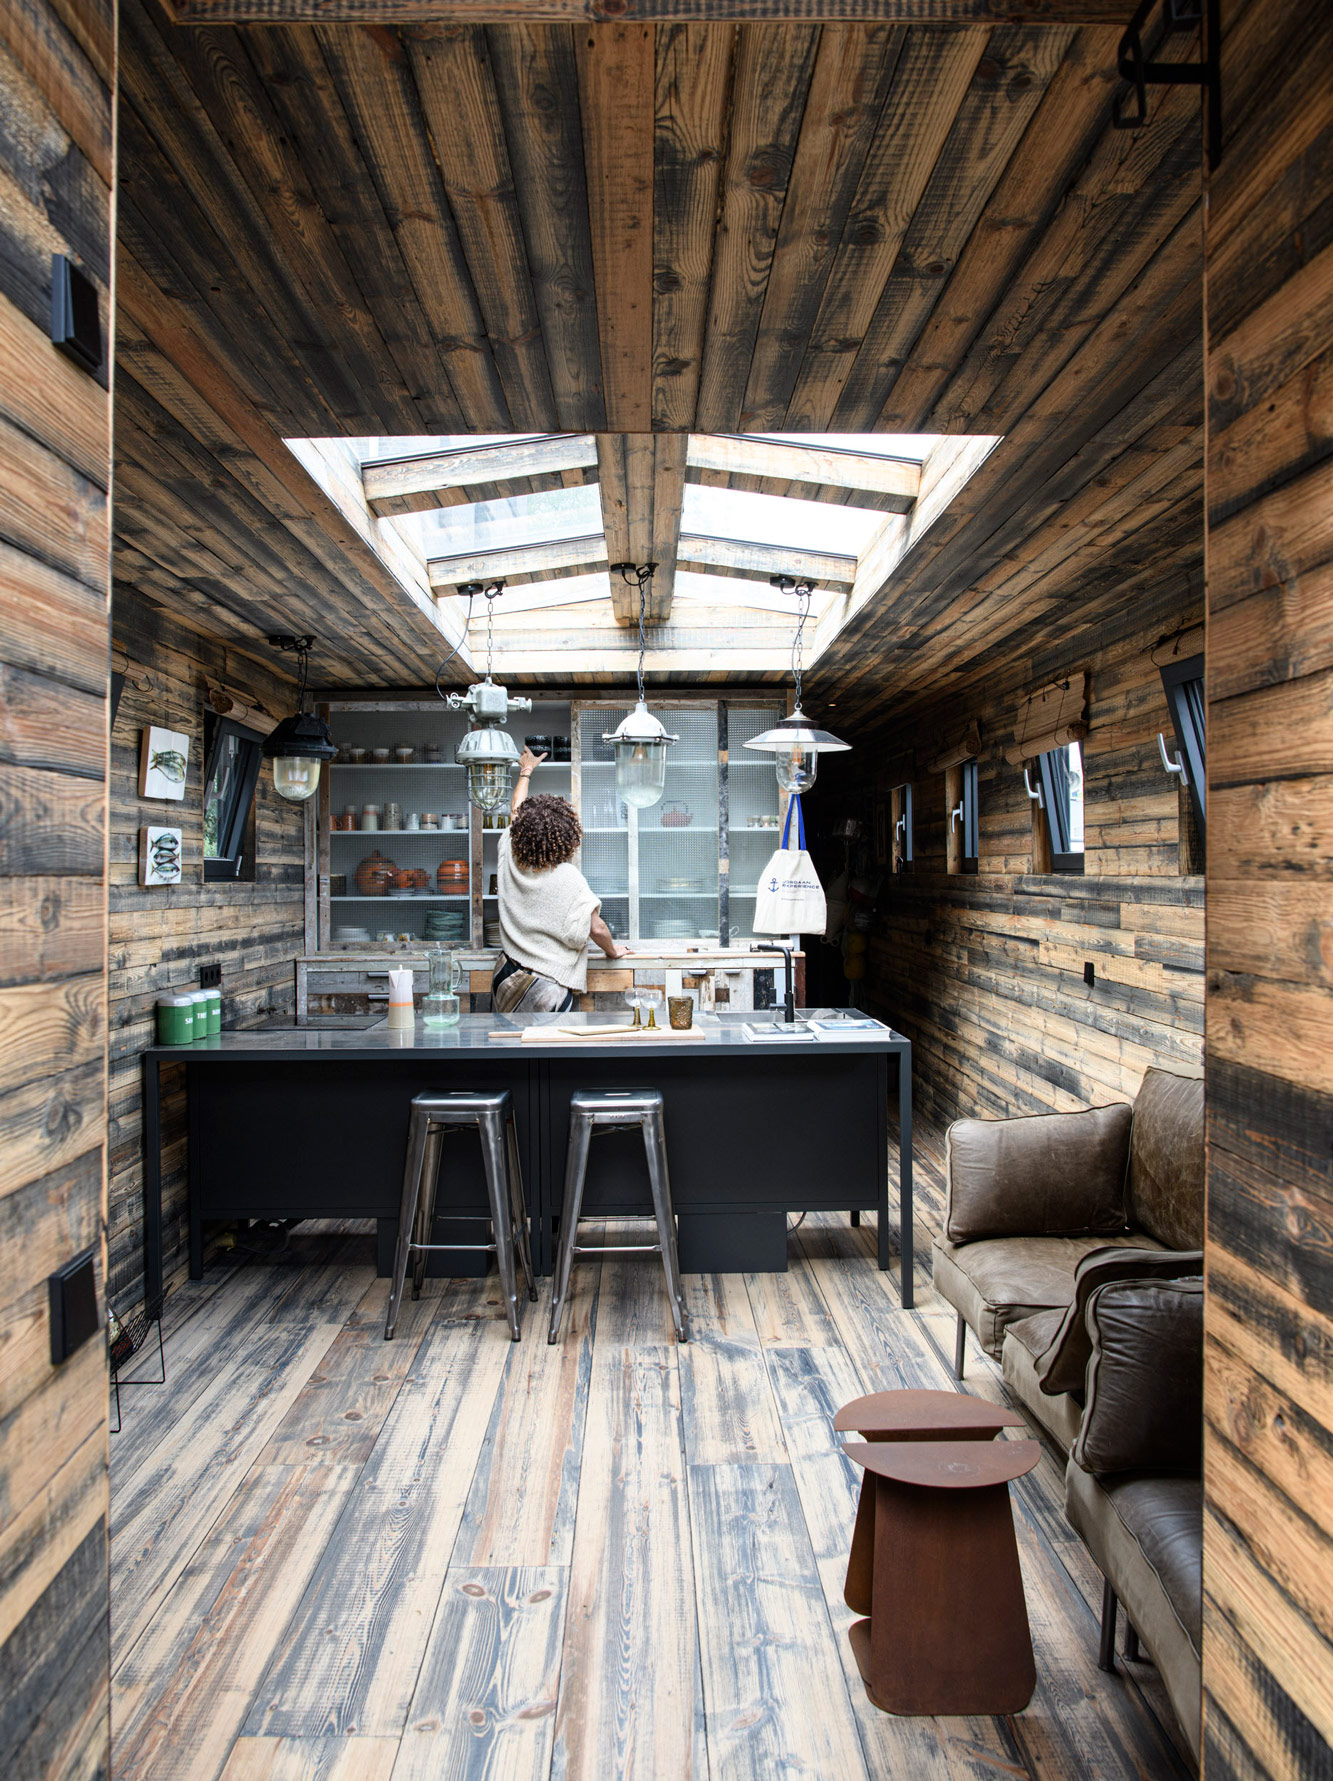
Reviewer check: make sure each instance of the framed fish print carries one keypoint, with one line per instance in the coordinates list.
(164, 760)
(159, 856)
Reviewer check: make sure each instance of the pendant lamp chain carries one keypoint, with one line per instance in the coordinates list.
(804, 591)
(493, 593)
(643, 574)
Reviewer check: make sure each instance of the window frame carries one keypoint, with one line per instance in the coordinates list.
(962, 852)
(900, 809)
(225, 867)
(1191, 740)
(1053, 768)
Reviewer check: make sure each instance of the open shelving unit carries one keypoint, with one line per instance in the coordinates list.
(684, 869)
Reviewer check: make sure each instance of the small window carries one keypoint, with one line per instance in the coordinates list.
(1061, 772)
(901, 811)
(234, 755)
(960, 786)
(1183, 683)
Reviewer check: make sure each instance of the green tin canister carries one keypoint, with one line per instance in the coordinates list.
(175, 1020)
(200, 999)
(213, 1002)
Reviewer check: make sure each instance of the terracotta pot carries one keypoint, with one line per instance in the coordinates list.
(374, 875)
(452, 875)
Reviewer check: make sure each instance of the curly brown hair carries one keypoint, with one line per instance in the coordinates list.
(545, 832)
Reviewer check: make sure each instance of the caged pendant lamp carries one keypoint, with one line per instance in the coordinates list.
(300, 744)
(640, 741)
(489, 753)
(795, 743)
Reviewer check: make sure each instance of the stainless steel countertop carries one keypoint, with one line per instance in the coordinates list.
(476, 1033)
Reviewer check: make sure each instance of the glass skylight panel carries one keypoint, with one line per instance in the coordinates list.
(385, 450)
(779, 519)
(915, 447)
(497, 525)
(731, 590)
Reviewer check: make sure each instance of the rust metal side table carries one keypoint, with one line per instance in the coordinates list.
(934, 1561)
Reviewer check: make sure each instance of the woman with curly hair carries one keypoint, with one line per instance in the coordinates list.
(548, 913)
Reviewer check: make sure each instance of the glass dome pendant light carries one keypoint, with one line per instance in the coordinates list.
(488, 752)
(300, 744)
(640, 741)
(795, 743)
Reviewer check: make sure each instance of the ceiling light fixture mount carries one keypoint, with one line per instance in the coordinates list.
(301, 743)
(795, 743)
(640, 740)
(489, 753)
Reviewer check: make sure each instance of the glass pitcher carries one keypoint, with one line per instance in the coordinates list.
(440, 1007)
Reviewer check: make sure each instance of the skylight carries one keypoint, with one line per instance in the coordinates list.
(490, 525)
(779, 519)
(720, 513)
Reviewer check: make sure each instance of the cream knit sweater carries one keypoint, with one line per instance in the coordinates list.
(544, 918)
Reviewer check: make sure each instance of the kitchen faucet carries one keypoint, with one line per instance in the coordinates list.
(789, 980)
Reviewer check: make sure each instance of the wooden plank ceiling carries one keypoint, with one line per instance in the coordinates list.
(635, 229)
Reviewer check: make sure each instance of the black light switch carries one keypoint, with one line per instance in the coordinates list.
(210, 976)
(76, 326)
(1090, 975)
(74, 1316)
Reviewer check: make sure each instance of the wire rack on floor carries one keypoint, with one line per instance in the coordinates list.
(125, 1338)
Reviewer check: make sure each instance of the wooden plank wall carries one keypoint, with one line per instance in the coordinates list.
(1268, 1559)
(159, 938)
(985, 972)
(56, 70)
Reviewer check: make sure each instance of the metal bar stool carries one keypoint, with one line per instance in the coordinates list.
(491, 1114)
(613, 1109)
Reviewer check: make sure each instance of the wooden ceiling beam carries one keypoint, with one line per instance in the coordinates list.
(585, 12)
(548, 561)
(418, 484)
(748, 561)
(642, 478)
(895, 480)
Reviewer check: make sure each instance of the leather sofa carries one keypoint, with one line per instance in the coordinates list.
(1043, 1210)
(1133, 1487)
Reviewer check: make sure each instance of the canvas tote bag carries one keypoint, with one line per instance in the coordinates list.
(790, 898)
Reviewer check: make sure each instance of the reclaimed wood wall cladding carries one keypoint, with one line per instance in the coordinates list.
(984, 972)
(668, 222)
(1268, 1555)
(160, 937)
(56, 163)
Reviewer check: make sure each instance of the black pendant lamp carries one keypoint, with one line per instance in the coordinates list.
(301, 743)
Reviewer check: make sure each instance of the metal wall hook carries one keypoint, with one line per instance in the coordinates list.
(1172, 766)
(956, 816)
(1036, 796)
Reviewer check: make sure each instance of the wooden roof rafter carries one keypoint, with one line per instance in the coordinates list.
(450, 478)
(894, 481)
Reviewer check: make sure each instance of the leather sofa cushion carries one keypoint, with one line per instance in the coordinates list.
(996, 1282)
(1146, 1534)
(1166, 1162)
(1051, 1175)
(1061, 1415)
(1145, 1379)
(1064, 1364)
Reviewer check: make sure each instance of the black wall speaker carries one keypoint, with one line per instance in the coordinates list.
(74, 1316)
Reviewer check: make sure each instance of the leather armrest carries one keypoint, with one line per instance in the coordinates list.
(1144, 1409)
(1048, 1175)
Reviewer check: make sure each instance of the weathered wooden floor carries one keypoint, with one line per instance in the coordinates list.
(453, 1556)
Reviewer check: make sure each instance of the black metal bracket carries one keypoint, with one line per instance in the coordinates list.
(1140, 73)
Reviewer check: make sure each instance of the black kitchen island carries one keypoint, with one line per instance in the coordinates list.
(312, 1123)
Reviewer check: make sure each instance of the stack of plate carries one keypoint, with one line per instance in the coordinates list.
(492, 932)
(344, 936)
(447, 925)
